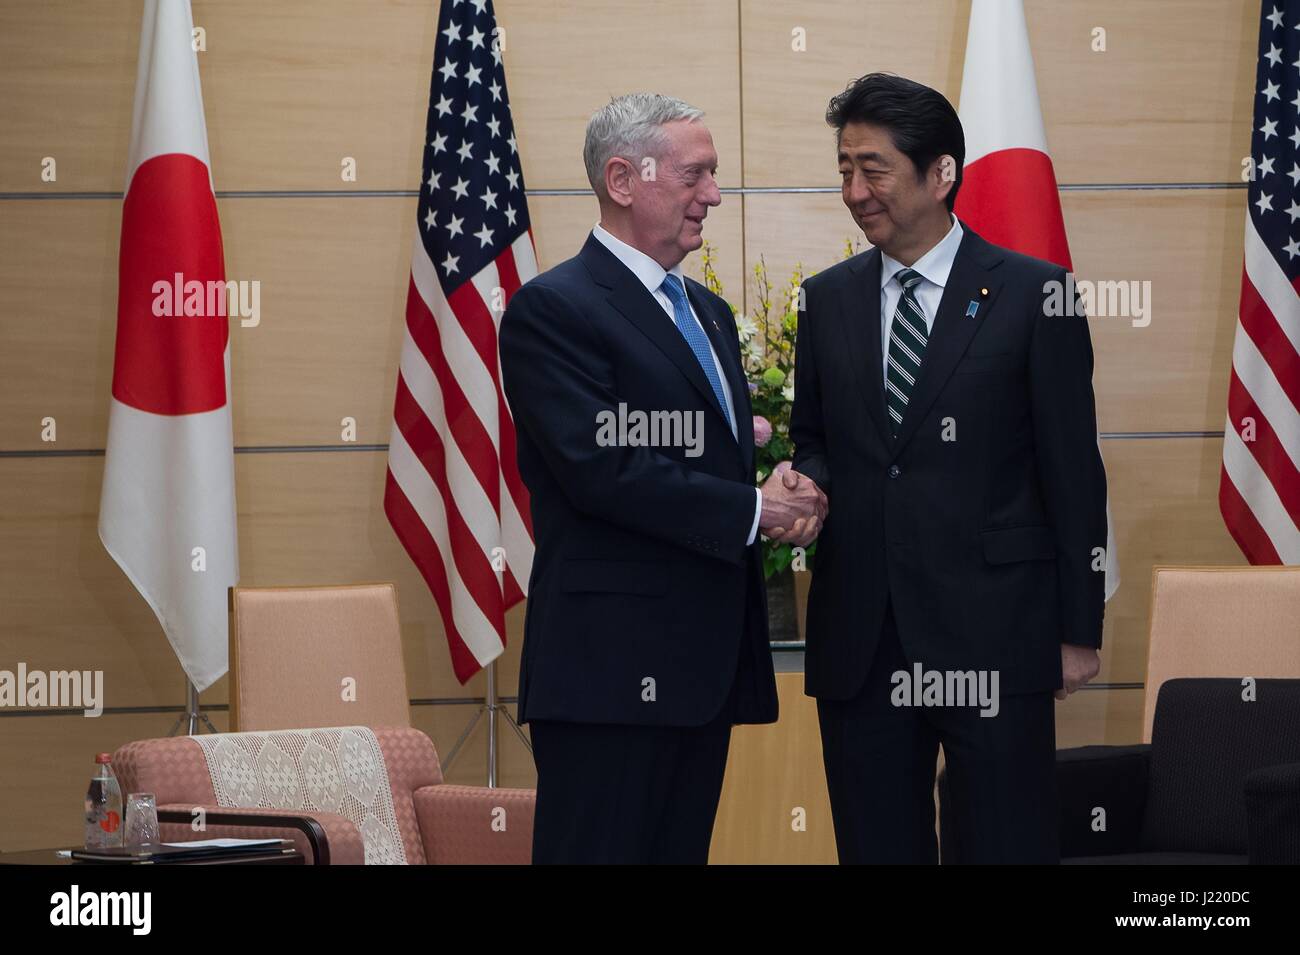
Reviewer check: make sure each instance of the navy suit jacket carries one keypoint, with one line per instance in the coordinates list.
(979, 523)
(643, 594)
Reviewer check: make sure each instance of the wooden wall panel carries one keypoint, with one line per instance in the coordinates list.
(58, 293)
(349, 80)
(772, 771)
(68, 72)
(306, 518)
(787, 141)
(46, 763)
(1172, 374)
(1172, 74)
(1093, 717)
(1164, 505)
(293, 87)
(567, 58)
(333, 277)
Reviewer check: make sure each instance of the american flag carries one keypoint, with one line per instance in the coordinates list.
(453, 491)
(1259, 492)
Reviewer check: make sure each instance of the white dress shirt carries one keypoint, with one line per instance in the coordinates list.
(651, 274)
(934, 268)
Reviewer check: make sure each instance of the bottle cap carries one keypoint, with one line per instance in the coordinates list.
(105, 758)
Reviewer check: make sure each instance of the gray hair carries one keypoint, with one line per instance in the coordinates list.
(629, 126)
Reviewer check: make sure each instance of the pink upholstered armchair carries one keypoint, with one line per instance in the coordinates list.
(344, 795)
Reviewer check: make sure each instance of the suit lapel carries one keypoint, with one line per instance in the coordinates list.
(952, 330)
(861, 305)
(635, 303)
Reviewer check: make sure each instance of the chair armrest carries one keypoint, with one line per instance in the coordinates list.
(324, 838)
(1273, 815)
(1110, 778)
(475, 825)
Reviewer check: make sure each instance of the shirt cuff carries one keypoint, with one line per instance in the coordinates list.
(758, 512)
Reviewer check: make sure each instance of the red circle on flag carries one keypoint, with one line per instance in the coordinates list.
(172, 326)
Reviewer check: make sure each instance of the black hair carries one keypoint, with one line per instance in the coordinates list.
(921, 122)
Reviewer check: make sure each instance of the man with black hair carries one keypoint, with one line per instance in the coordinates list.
(949, 418)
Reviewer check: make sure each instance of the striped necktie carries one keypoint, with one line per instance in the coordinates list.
(907, 339)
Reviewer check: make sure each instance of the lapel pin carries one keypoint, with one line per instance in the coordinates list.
(984, 293)
(972, 308)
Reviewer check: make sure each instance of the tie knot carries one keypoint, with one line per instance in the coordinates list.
(908, 278)
(672, 287)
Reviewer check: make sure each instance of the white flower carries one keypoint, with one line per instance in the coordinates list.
(746, 328)
(788, 391)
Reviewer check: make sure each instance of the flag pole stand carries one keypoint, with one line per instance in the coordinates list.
(492, 708)
(192, 715)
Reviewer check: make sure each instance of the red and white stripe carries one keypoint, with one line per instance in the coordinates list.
(453, 494)
(1259, 491)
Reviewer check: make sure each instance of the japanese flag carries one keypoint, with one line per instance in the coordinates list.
(167, 511)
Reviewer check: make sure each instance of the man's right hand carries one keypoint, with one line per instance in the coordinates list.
(794, 508)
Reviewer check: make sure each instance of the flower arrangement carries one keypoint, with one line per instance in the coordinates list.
(767, 340)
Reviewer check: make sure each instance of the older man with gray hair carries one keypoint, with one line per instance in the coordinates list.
(646, 630)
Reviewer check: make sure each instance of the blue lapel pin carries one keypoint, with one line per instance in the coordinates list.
(972, 308)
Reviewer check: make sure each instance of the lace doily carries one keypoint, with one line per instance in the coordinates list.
(336, 769)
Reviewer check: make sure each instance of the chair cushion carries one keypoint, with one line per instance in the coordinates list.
(464, 825)
(1205, 740)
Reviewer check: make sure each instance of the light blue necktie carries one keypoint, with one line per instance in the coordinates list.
(694, 335)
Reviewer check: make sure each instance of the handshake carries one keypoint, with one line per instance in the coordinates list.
(794, 507)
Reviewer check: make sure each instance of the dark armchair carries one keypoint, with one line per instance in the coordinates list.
(1219, 783)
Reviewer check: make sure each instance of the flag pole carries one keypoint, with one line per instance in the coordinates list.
(191, 715)
(491, 706)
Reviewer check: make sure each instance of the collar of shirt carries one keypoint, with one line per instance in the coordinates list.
(649, 272)
(934, 266)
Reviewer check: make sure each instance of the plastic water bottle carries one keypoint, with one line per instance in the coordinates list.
(103, 806)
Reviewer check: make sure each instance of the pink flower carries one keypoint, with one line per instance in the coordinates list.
(762, 430)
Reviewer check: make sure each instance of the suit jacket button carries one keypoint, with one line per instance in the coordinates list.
(895, 470)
